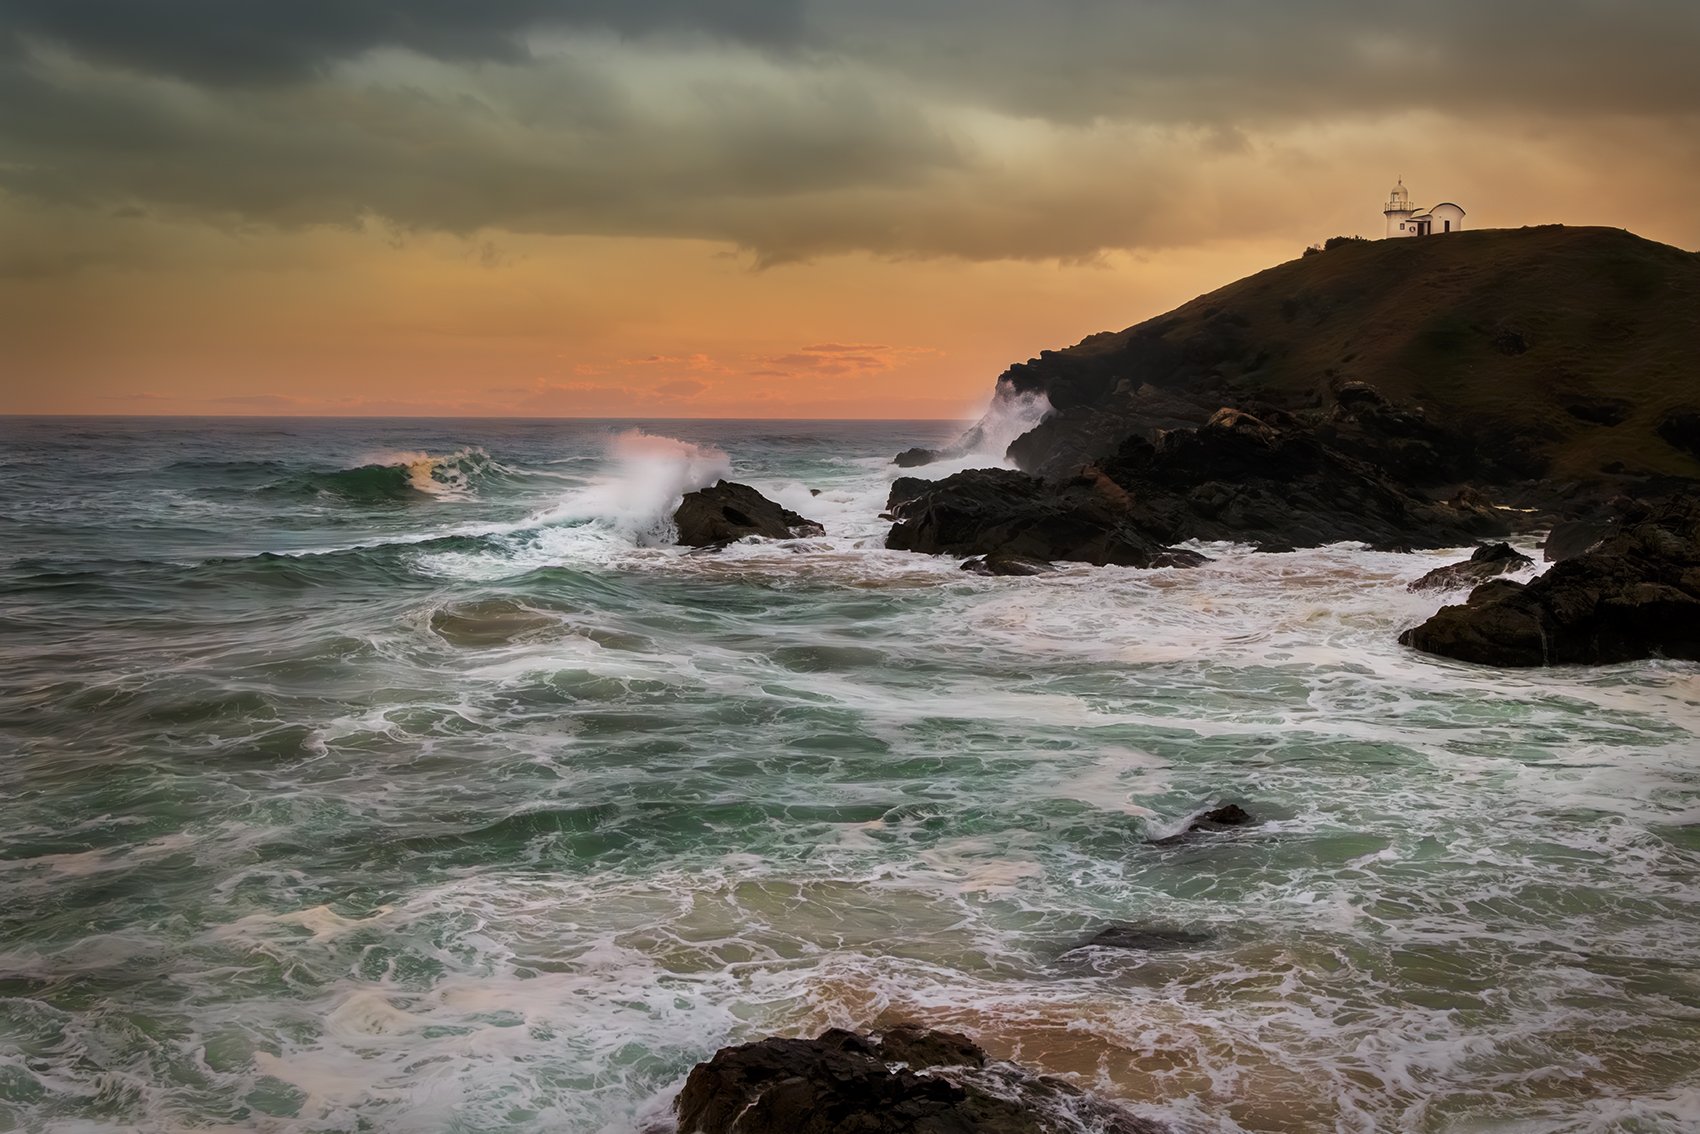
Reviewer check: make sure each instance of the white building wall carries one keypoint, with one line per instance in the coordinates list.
(1447, 218)
(1398, 223)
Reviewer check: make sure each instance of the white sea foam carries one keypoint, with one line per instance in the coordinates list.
(815, 782)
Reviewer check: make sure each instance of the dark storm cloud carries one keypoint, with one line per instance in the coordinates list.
(1251, 60)
(236, 41)
(978, 128)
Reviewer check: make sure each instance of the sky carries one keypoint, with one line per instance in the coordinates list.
(750, 208)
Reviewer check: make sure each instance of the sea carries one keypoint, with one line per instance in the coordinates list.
(402, 776)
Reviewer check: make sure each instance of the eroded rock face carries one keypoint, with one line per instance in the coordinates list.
(909, 1080)
(727, 511)
(1634, 595)
(1271, 481)
(1486, 562)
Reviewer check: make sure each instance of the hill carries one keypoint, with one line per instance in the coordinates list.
(1550, 353)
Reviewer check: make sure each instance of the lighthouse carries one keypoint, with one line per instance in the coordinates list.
(1405, 219)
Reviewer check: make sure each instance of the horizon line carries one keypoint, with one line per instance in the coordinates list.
(416, 417)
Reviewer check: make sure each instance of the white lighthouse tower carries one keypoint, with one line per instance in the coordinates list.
(1399, 211)
(1406, 219)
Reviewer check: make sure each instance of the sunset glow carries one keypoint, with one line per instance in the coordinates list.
(759, 209)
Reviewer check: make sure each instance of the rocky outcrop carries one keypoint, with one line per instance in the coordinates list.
(908, 1080)
(1486, 562)
(916, 457)
(725, 511)
(1634, 595)
(1271, 482)
(1518, 360)
(1239, 477)
(1005, 513)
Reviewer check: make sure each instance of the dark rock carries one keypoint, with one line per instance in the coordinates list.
(1006, 513)
(1358, 397)
(1261, 478)
(1273, 482)
(908, 1081)
(1531, 355)
(1599, 411)
(1485, 563)
(1145, 939)
(1635, 595)
(725, 512)
(1681, 430)
(1571, 538)
(1230, 815)
(1217, 819)
(999, 563)
(914, 458)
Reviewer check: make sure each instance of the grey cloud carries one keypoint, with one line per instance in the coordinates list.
(248, 41)
(976, 128)
(1252, 60)
(330, 154)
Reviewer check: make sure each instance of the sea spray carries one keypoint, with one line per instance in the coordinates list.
(650, 475)
(1010, 414)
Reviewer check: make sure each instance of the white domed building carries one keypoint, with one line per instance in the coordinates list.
(1406, 219)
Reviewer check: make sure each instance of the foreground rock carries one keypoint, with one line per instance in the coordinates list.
(998, 512)
(1636, 594)
(1488, 561)
(909, 1080)
(727, 511)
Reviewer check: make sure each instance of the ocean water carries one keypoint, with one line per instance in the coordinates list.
(398, 776)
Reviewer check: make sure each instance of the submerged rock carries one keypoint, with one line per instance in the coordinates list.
(1144, 938)
(1001, 563)
(727, 511)
(909, 1080)
(1636, 594)
(1486, 562)
(1216, 819)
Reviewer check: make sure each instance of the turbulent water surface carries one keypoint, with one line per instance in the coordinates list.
(397, 776)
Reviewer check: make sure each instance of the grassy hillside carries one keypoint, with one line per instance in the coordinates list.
(1574, 341)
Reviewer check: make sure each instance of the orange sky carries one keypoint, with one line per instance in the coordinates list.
(771, 212)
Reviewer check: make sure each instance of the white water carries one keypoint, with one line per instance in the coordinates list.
(570, 808)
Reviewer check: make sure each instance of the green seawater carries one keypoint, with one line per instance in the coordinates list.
(397, 776)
